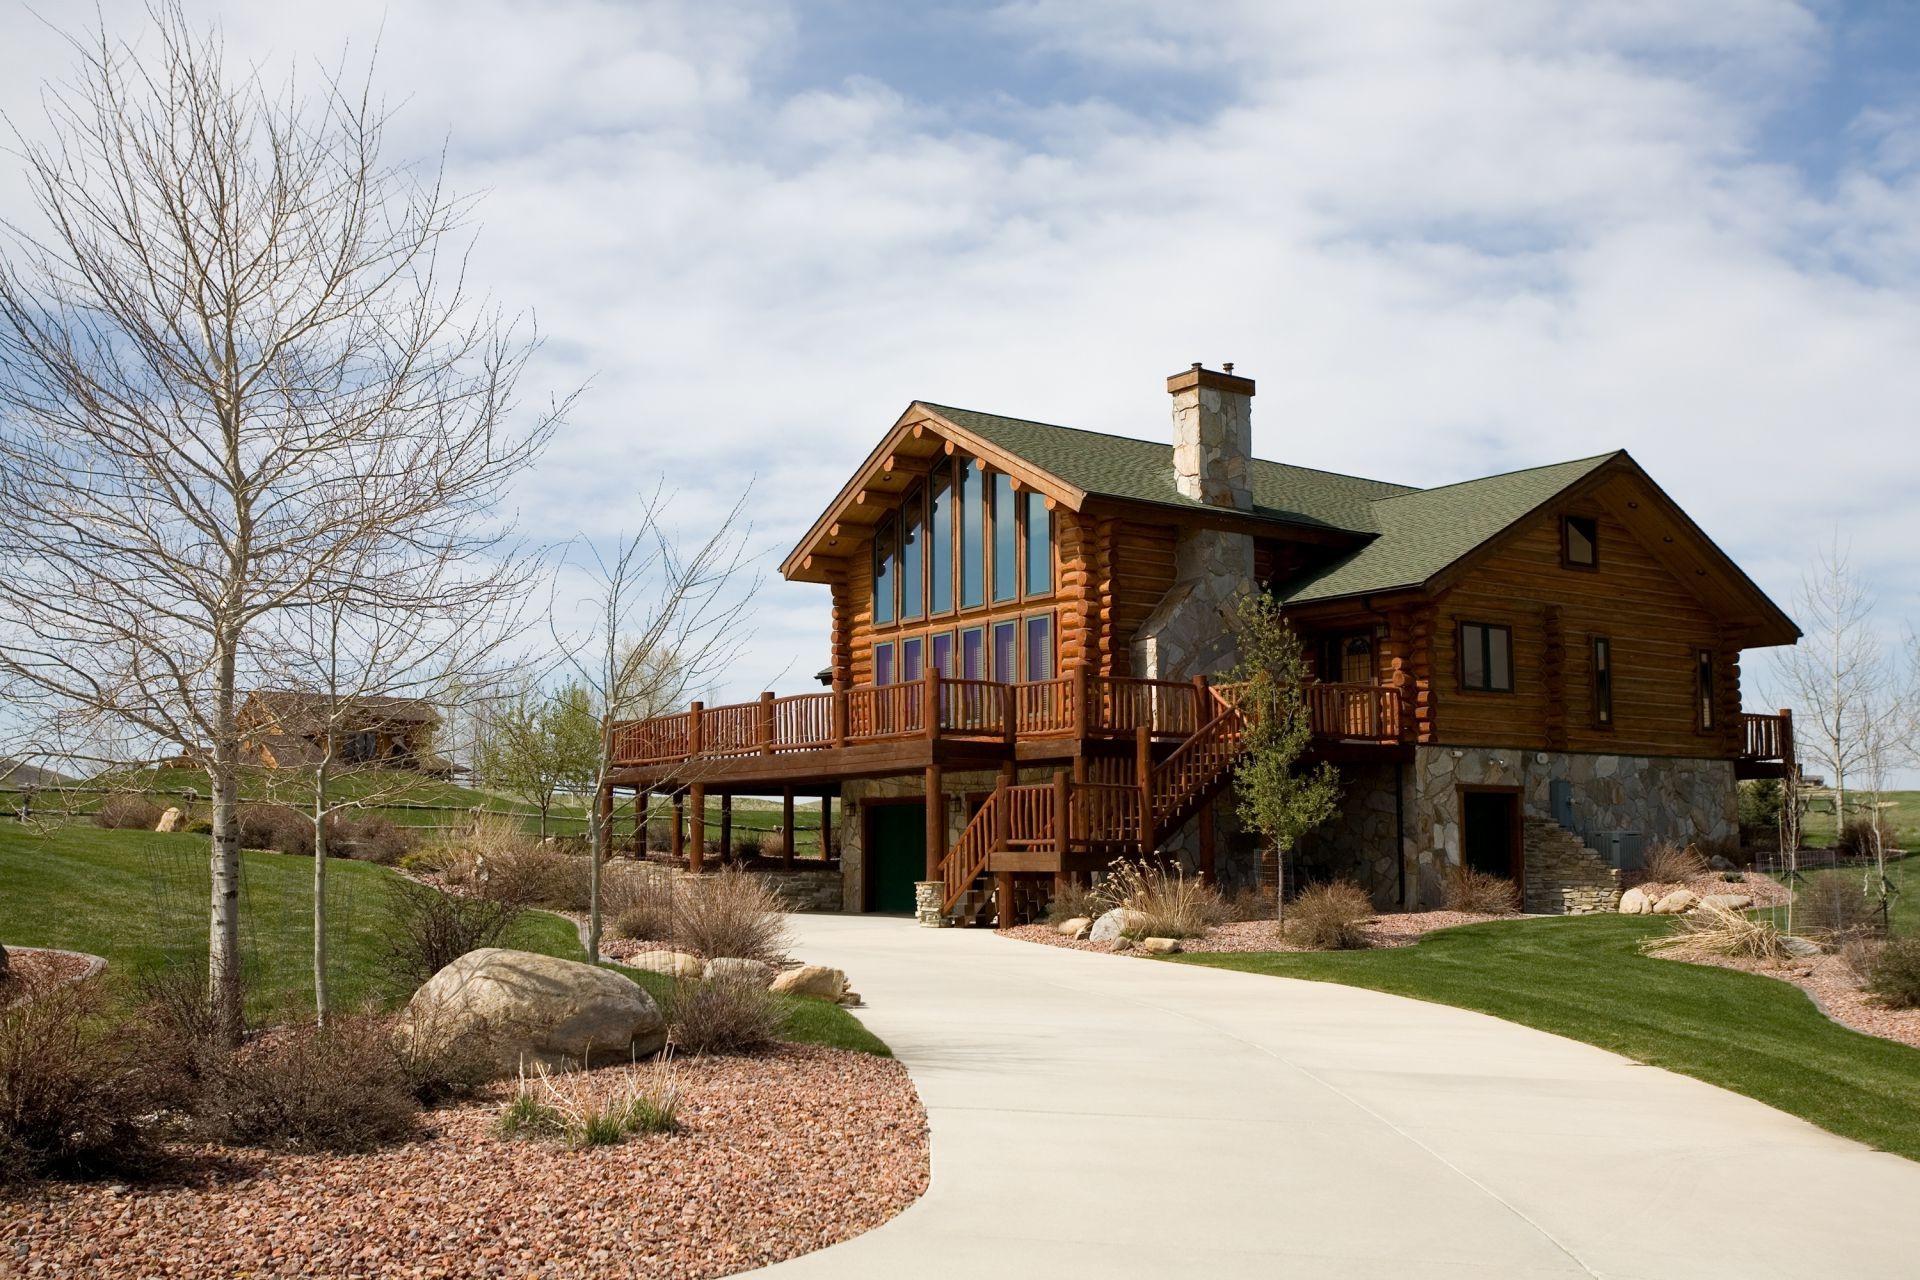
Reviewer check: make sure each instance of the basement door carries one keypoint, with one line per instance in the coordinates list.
(896, 847)
(1490, 830)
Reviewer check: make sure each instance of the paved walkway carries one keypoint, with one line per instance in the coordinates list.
(1098, 1116)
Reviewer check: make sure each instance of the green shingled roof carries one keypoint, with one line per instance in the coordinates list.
(1419, 531)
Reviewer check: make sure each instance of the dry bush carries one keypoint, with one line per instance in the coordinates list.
(731, 913)
(370, 837)
(1833, 908)
(1175, 904)
(1327, 917)
(72, 1090)
(1893, 974)
(303, 1088)
(639, 902)
(1859, 955)
(1669, 862)
(124, 812)
(181, 1031)
(1713, 930)
(446, 1065)
(1075, 902)
(769, 844)
(1249, 902)
(535, 874)
(1480, 892)
(427, 930)
(723, 1015)
(279, 827)
(1856, 838)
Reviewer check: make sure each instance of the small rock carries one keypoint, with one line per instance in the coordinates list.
(169, 821)
(815, 980)
(851, 999)
(1728, 901)
(757, 972)
(1117, 924)
(1799, 947)
(1719, 863)
(1634, 903)
(1676, 903)
(1160, 946)
(674, 964)
(1074, 928)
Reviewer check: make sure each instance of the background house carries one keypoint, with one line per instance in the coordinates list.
(288, 728)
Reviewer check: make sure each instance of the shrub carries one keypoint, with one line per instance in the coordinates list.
(1893, 973)
(443, 1067)
(639, 901)
(1856, 837)
(1249, 902)
(1175, 905)
(1669, 862)
(427, 930)
(1076, 901)
(371, 837)
(303, 1088)
(1480, 892)
(1327, 917)
(723, 1015)
(123, 812)
(275, 826)
(732, 913)
(1833, 908)
(1760, 801)
(587, 1109)
(1859, 955)
(183, 1040)
(199, 827)
(71, 1093)
(1713, 930)
(538, 874)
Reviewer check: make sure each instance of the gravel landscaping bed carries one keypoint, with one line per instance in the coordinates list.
(34, 968)
(1763, 889)
(777, 1156)
(1399, 929)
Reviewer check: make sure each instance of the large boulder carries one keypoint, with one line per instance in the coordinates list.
(1117, 924)
(673, 964)
(1074, 928)
(1160, 946)
(815, 980)
(732, 969)
(171, 820)
(1728, 901)
(1634, 902)
(537, 1009)
(1676, 903)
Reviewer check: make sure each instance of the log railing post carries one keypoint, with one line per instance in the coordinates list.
(1200, 701)
(826, 828)
(1786, 736)
(1009, 706)
(766, 723)
(1064, 826)
(693, 728)
(1079, 696)
(1143, 773)
(839, 715)
(930, 705)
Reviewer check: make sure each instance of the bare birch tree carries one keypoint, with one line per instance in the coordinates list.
(661, 618)
(237, 358)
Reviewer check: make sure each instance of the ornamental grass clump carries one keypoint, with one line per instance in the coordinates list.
(1327, 917)
(1713, 930)
(1171, 903)
(594, 1109)
(1480, 893)
(1668, 862)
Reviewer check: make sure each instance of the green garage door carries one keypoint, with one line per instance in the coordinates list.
(896, 855)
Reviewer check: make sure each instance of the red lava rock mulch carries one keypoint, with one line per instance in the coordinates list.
(31, 969)
(777, 1156)
(1399, 929)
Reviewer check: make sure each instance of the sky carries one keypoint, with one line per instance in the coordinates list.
(1447, 239)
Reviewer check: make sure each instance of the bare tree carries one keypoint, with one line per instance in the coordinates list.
(237, 360)
(661, 619)
(1838, 674)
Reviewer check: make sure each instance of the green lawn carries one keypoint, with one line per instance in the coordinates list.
(1902, 813)
(1904, 914)
(140, 899)
(1583, 977)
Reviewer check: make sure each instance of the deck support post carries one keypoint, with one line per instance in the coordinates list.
(826, 827)
(726, 826)
(1064, 825)
(696, 827)
(1207, 859)
(930, 709)
(1143, 776)
(786, 828)
(1002, 833)
(1200, 701)
(642, 801)
(936, 823)
(677, 842)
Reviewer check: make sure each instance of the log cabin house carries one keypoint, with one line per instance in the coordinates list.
(1532, 673)
(288, 729)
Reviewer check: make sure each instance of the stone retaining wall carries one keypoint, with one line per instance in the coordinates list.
(808, 890)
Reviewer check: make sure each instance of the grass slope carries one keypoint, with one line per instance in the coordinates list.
(1584, 978)
(139, 899)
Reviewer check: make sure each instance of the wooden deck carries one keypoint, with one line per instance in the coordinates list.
(1767, 745)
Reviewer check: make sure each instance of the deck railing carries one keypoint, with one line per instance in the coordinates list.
(1072, 705)
(1766, 737)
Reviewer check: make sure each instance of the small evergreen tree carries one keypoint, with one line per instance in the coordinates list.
(1276, 798)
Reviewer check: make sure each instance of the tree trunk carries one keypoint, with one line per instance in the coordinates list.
(320, 1002)
(223, 930)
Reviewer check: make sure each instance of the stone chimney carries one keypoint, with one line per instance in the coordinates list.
(1213, 436)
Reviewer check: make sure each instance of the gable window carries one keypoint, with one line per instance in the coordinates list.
(941, 650)
(940, 543)
(912, 653)
(1486, 657)
(1580, 542)
(1006, 652)
(1703, 679)
(913, 537)
(973, 536)
(973, 654)
(883, 663)
(1603, 682)
(1006, 541)
(1040, 647)
(883, 574)
(1039, 545)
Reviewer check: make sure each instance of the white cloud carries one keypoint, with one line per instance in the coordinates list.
(1445, 239)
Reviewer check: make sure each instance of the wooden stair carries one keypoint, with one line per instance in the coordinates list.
(1114, 820)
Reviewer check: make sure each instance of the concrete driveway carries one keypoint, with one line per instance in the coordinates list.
(1093, 1115)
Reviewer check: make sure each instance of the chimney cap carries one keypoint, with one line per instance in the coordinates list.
(1199, 375)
